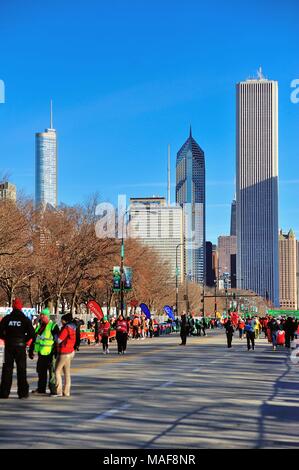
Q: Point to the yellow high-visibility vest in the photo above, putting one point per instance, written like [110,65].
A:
[44,342]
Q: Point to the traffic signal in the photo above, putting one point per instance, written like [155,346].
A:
[234,296]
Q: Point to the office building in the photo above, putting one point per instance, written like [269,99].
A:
[160,227]
[46,167]
[257,187]
[8,191]
[190,194]
[287,270]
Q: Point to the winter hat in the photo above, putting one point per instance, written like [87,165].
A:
[17,304]
[45,312]
[68,317]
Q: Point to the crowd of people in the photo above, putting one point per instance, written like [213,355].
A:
[55,345]
[279,331]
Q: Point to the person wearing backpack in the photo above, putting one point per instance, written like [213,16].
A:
[250,335]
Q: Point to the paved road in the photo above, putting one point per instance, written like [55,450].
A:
[162,395]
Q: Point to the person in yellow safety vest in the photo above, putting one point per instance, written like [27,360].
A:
[257,328]
[43,344]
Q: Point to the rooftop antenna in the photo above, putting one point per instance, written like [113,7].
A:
[260,75]
[51,115]
[168,177]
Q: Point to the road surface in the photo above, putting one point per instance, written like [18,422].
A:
[163,395]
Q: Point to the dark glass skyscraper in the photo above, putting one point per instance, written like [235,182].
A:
[233,218]
[190,193]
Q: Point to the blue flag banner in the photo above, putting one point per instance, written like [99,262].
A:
[168,310]
[145,310]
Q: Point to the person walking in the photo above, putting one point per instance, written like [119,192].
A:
[121,334]
[184,329]
[66,352]
[136,325]
[151,327]
[250,335]
[241,326]
[105,333]
[96,330]
[44,345]
[16,330]
[289,328]
[274,327]
[229,329]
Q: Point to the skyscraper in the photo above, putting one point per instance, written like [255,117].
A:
[210,274]
[190,194]
[227,246]
[160,227]
[287,270]
[46,166]
[8,191]
[233,221]
[257,187]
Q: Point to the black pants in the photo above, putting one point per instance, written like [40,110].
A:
[229,337]
[11,354]
[250,335]
[135,332]
[45,365]
[184,337]
[121,339]
[105,341]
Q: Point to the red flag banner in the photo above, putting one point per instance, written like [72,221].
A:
[94,307]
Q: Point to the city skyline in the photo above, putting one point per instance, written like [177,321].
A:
[144,95]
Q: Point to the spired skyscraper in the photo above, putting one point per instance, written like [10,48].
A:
[190,194]
[46,166]
[257,187]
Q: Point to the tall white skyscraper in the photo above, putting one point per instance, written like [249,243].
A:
[257,187]
[46,166]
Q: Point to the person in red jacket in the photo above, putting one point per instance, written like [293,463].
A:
[121,334]
[105,332]
[66,352]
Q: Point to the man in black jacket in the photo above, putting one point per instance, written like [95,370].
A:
[16,329]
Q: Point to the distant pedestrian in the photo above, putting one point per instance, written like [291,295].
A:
[105,333]
[250,335]
[121,334]
[16,330]
[229,332]
[241,326]
[184,329]
[96,330]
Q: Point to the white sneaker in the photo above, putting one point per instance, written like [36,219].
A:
[104,352]
[107,351]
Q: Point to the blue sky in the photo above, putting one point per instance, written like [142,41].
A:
[128,77]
